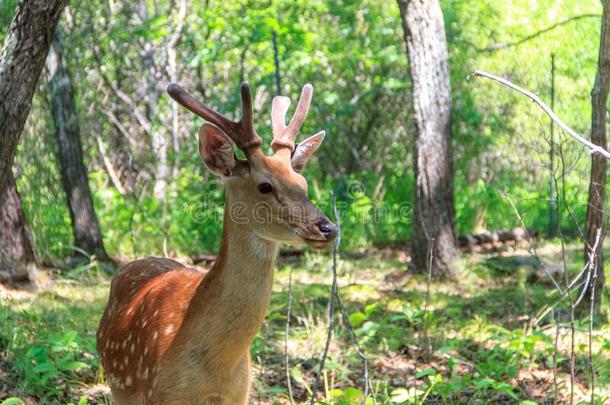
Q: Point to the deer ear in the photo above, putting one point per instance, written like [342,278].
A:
[305,150]
[216,150]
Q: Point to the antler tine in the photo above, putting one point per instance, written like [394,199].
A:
[284,136]
[241,132]
[251,138]
[279,108]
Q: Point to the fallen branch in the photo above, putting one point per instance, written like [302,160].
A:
[593,148]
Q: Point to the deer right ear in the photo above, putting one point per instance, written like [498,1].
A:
[216,150]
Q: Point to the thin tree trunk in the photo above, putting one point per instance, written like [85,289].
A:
[434,242]
[22,57]
[596,213]
[172,68]
[160,144]
[21,60]
[16,253]
[85,226]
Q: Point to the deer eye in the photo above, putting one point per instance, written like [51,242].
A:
[265,188]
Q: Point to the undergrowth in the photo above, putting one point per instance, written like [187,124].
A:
[482,338]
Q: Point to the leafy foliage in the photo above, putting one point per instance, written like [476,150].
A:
[353,51]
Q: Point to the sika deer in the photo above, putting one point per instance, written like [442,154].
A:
[175,335]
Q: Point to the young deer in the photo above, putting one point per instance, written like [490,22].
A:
[175,335]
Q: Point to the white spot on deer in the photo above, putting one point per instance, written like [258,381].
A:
[132,348]
[126,360]
[169,328]
[124,345]
[128,381]
[156,335]
[145,373]
[115,363]
[149,393]
[145,350]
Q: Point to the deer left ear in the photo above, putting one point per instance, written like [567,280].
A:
[304,150]
[216,150]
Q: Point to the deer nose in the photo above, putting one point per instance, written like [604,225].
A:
[328,229]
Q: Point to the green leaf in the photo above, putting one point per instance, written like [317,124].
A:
[352,395]
[369,309]
[74,365]
[357,318]
[44,368]
[400,396]
[424,373]
[12,401]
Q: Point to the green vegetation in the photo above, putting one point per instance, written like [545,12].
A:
[485,337]
[480,339]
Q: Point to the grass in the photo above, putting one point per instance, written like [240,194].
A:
[480,341]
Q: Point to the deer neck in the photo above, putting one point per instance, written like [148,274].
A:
[230,304]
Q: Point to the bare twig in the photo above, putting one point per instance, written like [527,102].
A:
[427,339]
[532,245]
[593,148]
[331,304]
[114,177]
[571,314]
[356,345]
[555,351]
[286,360]
[594,270]
[497,47]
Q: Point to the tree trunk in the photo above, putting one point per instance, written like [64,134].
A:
[16,253]
[434,242]
[21,60]
[85,226]
[596,213]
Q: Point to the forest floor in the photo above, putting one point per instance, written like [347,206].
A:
[487,336]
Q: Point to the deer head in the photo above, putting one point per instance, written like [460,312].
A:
[268,194]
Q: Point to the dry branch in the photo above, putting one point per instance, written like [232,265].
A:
[497,47]
[593,148]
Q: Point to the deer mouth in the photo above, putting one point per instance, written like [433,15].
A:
[317,243]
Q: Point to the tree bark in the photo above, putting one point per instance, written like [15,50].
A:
[434,242]
[16,253]
[596,212]
[21,60]
[22,57]
[85,226]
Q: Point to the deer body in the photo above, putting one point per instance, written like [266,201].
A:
[175,335]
